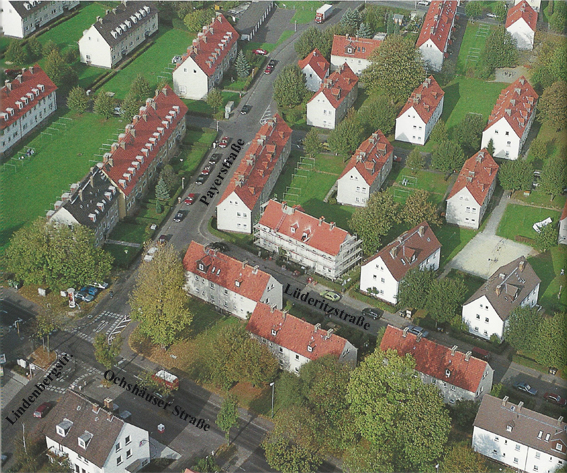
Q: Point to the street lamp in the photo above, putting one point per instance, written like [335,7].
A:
[272,385]
[182,183]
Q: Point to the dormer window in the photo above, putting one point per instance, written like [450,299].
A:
[547,436]
[201,267]
[274,333]
[309,348]
[85,439]
[540,434]
[559,447]
[237,283]
[63,427]
[447,372]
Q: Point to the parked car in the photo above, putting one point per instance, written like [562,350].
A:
[491,15]
[245,109]
[190,199]
[260,52]
[163,239]
[84,296]
[150,254]
[224,142]
[525,387]
[219,246]
[269,69]
[215,158]
[100,285]
[272,63]
[373,312]
[93,291]
[555,399]
[202,178]
[42,410]
[331,296]
[179,216]
[424,2]
[416,330]
[118,111]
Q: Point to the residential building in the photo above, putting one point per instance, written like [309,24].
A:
[252,183]
[523,439]
[334,99]
[92,438]
[435,36]
[323,247]
[513,285]
[354,51]
[232,286]
[535,4]
[381,274]
[458,376]
[420,113]
[92,202]
[249,21]
[511,119]
[147,144]
[315,68]
[366,171]
[468,200]
[112,37]
[19,19]
[26,102]
[295,342]
[563,226]
[521,23]
[207,59]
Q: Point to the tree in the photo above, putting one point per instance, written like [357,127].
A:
[464,413]
[46,322]
[35,48]
[501,11]
[463,459]
[516,175]
[522,330]
[55,67]
[171,179]
[214,99]
[439,132]
[346,136]
[312,143]
[351,21]
[414,288]
[364,31]
[448,156]
[287,389]
[500,49]
[547,238]
[307,42]
[242,65]
[104,105]
[396,68]
[222,363]
[445,298]
[206,465]
[490,147]
[377,113]
[106,353]
[130,106]
[78,100]
[375,220]
[256,363]
[473,9]
[159,207]
[552,347]
[141,88]
[197,19]
[228,415]
[551,105]
[415,161]
[418,208]
[289,87]
[538,149]
[558,21]
[374,16]
[71,56]
[48,47]
[16,53]
[553,176]
[28,451]
[363,457]
[158,300]
[550,65]
[468,133]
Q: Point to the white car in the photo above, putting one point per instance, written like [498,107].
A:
[424,2]
[150,254]
[491,15]
[100,285]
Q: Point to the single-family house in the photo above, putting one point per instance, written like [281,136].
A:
[521,23]
[563,226]
[354,51]
[315,68]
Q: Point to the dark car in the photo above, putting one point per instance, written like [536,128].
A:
[416,330]
[190,200]
[525,387]
[555,399]
[202,178]
[245,109]
[83,296]
[215,158]
[163,239]
[42,410]
[272,63]
[373,312]
[179,216]
[219,246]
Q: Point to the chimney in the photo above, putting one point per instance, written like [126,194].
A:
[284,314]
[418,337]
[8,85]
[468,355]
[96,408]
[504,401]
[522,266]
[405,334]
[19,78]
[329,332]
[99,19]
[453,350]
[332,225]
[108,404]
[321,220]
[520,405]
[317,327]
[394,251]
[559,421]
[164,90]
[31,69]
[272,308]
[421,230]
[498,289]
[244,263]
[255,269]
[81,194]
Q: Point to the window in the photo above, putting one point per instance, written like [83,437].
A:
[476,329]
[128,453]
[507,133]
[508,143]
[496,439]
[297,357]
[538,455]
[535,467]
[517,446]
[486,319]
[119,460]
[281,350]
[478,316]
[495,132]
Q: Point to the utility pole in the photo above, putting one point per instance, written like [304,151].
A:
[24,437]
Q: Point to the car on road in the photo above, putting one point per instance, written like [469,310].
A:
[424,2]
[215,158]
[245,109]
[219,246]
[202,178]
[416,330]
[331,296]
[190,199]
[525,387]
[269,69]
[555,399]
[179,216]
[163,239]
[42,410]
[373,312]
[260,52]
[224,142]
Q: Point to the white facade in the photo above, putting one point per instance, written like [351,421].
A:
[411,128]
[432,55]
[535,4]
[313,81]
[321,113]
[352,189]
[356,64]
[233,215]
[94,50]
[507,144]
[463,210]
[523,34]
[563,229]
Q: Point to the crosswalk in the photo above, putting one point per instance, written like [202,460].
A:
[106,322]
[79,382]
[266,115]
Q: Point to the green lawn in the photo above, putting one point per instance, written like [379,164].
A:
[540,199]
[304,10]
[431,181]
[548,267]
[476,40]
[128,232]
[453,239]
[123,255]
[518,220]
[200,107]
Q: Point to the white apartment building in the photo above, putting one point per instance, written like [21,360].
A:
[535,4]
[353,51]
[327,249]
[521,23]
[315,68]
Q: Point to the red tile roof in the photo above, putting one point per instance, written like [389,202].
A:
[515,103]
[26,87]
[397,255]
[564,213]
[438,23]
[212,45]
[359,48]
[317,62]
[226,271]
[370,157]
[433,359]
[259,161]
[425,99]
[323,236]
[522,10]
[293,333]
[338,85]
[136,148]
[477,175]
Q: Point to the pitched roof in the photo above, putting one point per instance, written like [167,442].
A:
[564,213]
[30,86]
[437,23]
[522,425]
[338,85]
[317,62]
[424,99]
[211,45]
[508,286]
[297,225]
[79,410]
[260,159]
[355,47]
[33,7]
[522,10]
[370,157]
[515,104]
[433,359]
[477,175]
[136,148]
[293,333]
[408,251]
[226,271]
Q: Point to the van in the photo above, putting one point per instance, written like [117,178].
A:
[481,354]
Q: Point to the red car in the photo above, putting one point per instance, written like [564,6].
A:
[41,410]
[205,172]
[224,142]
[397,159]
[261,52]
[269,69]
[555,399]
[190,200]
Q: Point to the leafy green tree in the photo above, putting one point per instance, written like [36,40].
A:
[538,149]
[214,99]
[375,220]
[490,147]
[197,19]
[363,457]
[228,415]
[500,49]
[170,177]
[130,106]
[389,23]
[468,133]
[104,105]
[307,42]
[207,464]
[71,56]
[48,47]
[46,322]
[553,176]
[242,65]
[547,238]
[222,362]
[418,208]
[551,105]
[158,300]
[256,363]
[312,143]
[141,88]
[439,132]
[522,330]
[396,68]
[374,16]
[463,459]
[501,11]
[78,101]
[552,348]
[351,20]
[473,9]
[448,156]
[445,298]
[377,113]
[16,53]
[35,48]
[414,288]
[516,175]
[287,388]
[159,207]
[346,136]
[550,65]
[289,87]
[415,161]
[106,354]
[464,413]
[364,31]
[161,190]
[558,21]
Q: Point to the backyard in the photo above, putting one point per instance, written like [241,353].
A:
[472,46]
[518,220]
[548,267]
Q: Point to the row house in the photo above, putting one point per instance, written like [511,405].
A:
[520,438]
[20,19]
[232,286]
[118,33]
[26,102]
[315,68]
[92,438]
[210,55]
[458,376]
[511,119]
[334,99]
[325,248]
[366,171]
[420,113]
[435,35]
[381,274]
[354,51]
[563,226]
[147,144]
[295,342]
[521,23]
[468,200]
[513,285]
[240,205]
[92,202]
